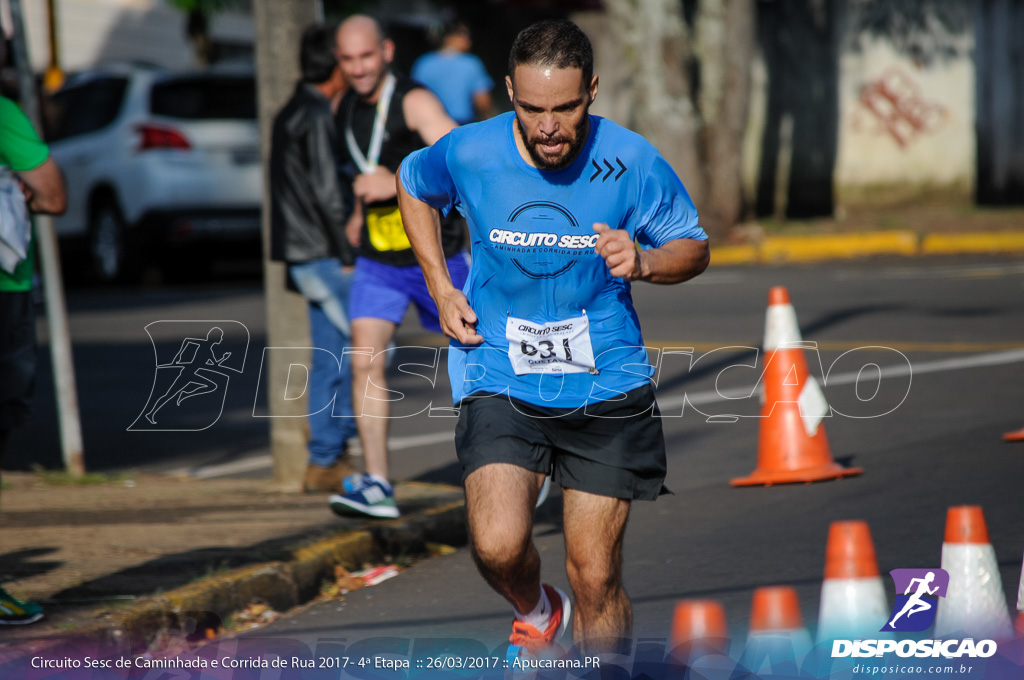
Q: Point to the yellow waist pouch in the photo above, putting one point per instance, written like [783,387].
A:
[384,226]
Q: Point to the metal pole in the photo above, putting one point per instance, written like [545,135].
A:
[56,312]
[54,77]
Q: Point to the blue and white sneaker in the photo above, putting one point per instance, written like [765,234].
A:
[365,495]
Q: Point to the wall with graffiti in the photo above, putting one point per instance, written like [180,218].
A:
[904,121]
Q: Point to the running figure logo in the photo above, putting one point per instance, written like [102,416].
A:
[914,610]
[200,367]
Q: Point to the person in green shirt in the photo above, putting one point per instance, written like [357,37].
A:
[41,181]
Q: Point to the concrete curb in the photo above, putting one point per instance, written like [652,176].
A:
[282,584]
[813,248]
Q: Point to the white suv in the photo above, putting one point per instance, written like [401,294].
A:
[155,159]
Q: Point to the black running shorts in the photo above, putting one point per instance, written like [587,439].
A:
[17,357]
[611,448]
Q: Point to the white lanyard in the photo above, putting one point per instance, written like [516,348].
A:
[368,163]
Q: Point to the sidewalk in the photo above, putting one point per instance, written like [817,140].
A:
[141,555]
[909,230]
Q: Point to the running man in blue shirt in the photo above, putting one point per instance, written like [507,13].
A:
[547,362]
[457,77]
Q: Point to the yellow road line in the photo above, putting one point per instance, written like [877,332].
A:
[723,255]
[974,242]
[814,247]
[827,246]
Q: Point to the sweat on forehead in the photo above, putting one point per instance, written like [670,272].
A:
[548,78]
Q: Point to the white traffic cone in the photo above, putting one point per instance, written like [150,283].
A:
[1019,625]
[699,627]
[974,604]
[792,446]
[778,641]
[853,603]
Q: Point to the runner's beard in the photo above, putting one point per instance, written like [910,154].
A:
[566,159]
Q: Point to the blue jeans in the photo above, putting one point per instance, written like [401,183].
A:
[323,283]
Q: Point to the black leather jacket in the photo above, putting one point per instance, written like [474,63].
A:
[309,202]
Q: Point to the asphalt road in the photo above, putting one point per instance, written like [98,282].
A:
[927,436]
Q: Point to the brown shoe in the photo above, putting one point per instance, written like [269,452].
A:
[327,479]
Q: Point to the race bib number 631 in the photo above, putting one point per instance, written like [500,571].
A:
[550,347]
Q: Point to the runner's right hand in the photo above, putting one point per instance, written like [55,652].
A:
[458,320]
[378,185]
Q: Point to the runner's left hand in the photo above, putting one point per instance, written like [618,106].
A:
[618,251]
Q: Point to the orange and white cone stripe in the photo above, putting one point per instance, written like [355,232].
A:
[699,643]
[853,602]
[777,633]
[792,446]
[1019,625]
[974,604]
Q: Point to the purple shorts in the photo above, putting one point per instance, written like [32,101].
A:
[383,291]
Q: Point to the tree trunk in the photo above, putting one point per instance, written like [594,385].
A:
[999,58]
[279,28]
[655,43]
[801,53]
[690,93]
[726,29]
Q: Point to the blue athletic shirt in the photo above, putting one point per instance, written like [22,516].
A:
[454,77]
[536,283]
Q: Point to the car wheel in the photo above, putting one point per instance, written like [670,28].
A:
[107,245]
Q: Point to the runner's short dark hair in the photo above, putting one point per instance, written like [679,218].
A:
[453,26]
[316,54]
[554,42]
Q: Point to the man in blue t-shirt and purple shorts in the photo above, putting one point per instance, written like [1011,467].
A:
[547,362]
[381,119]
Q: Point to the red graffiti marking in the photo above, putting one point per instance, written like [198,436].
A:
[896,102]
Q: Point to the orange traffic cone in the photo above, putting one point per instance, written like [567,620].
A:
[699,628]
[792,446]
[974,604]
[853,602]
[776,609]
[778,640]
[1015,436]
